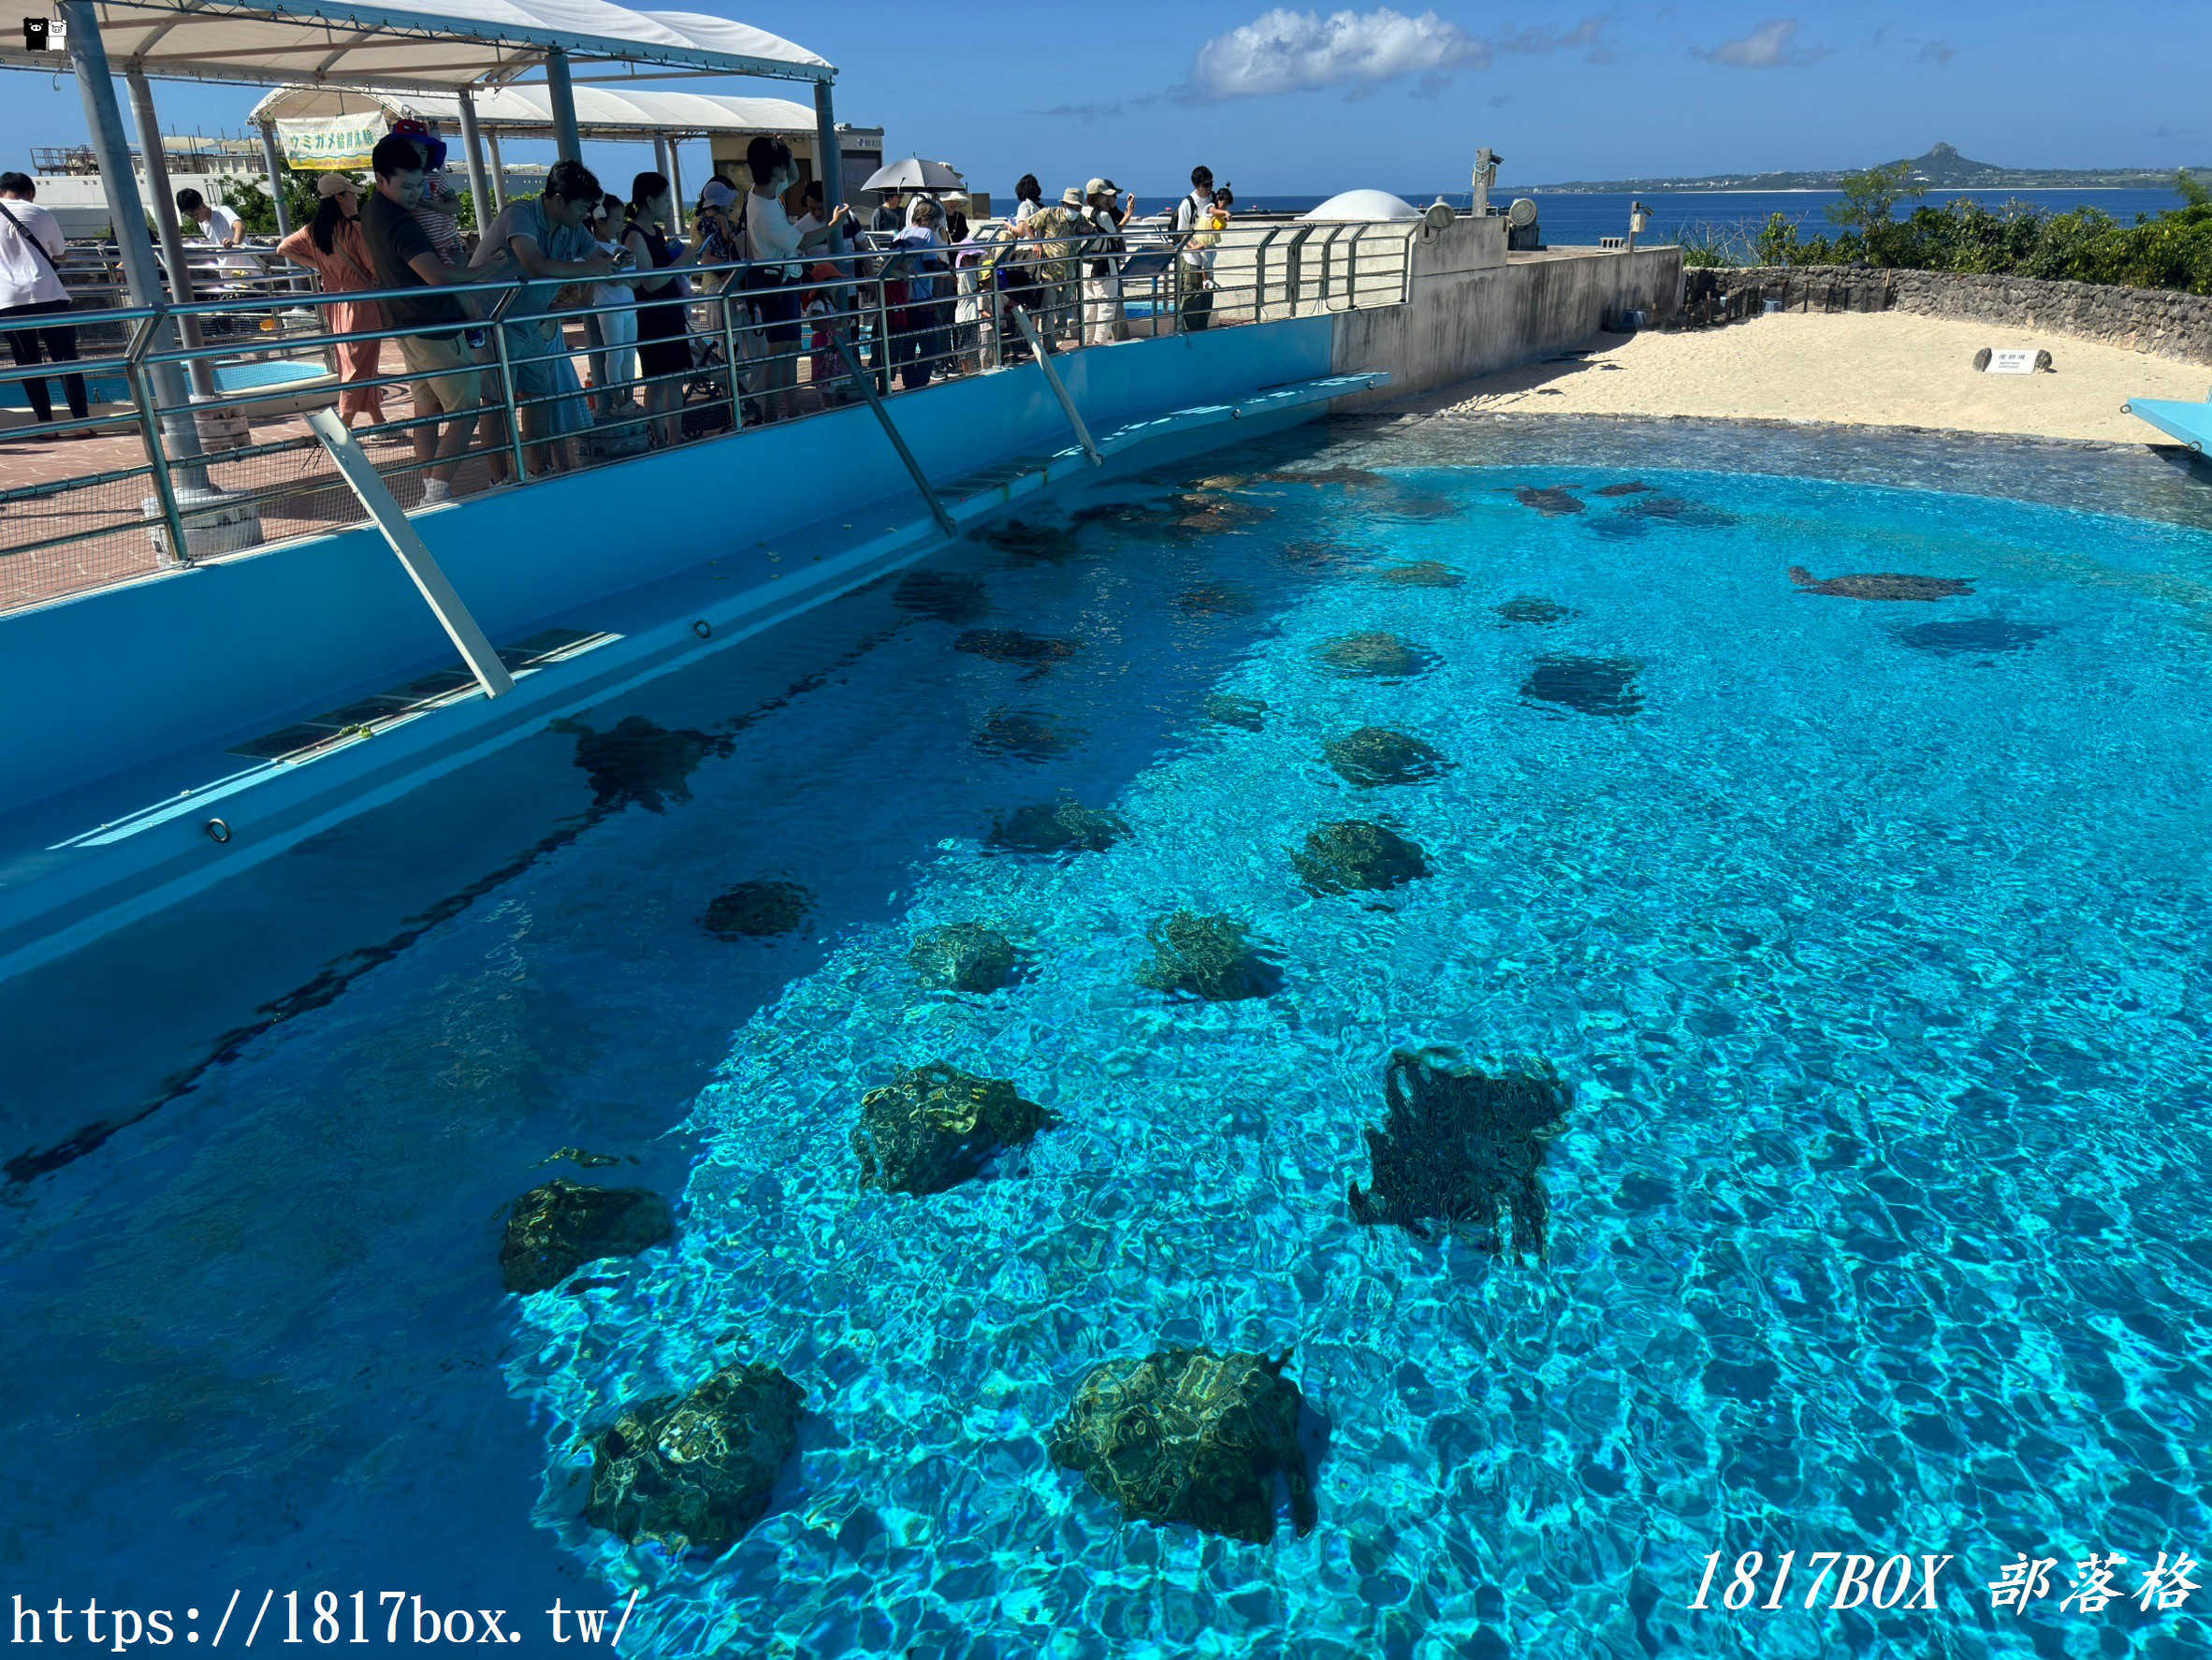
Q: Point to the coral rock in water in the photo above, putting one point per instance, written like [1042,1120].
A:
[1528,608]
[1882,585]
[1203,515]
[1425,572]
[1375,654]
[934,1127]
[1187,1436]
[1060,828]
[1459,1146]
[1247,714]
[1981,635]
[640,762]
[1208,956]
[1025,736]
[1377,756]
[1594,685]
[1700,515]
[1355,855]
[757,910]
[696,1471]
[1028,540]
[1214,599]
[1010,645]
[555,1229]
[947,599]
[963,956]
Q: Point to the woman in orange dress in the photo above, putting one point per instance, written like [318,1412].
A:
[331,247]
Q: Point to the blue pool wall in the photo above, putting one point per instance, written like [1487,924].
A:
[230,649]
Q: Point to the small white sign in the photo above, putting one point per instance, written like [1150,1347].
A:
[2011,362]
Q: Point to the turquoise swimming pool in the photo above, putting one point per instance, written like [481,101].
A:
[1861,924]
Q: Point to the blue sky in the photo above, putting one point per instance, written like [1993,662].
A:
[1291,100]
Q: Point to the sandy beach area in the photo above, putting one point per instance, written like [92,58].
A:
[1885,369]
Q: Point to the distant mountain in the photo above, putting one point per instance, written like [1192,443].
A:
[1941,168]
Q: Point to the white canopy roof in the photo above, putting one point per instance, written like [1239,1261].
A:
[528,111]
[424,44]
[1366,206]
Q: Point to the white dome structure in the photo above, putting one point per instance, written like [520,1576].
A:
[1363,207]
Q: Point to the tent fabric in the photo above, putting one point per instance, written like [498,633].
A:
[430,45]
[527,111]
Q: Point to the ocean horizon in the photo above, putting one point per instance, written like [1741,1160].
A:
[1576,217]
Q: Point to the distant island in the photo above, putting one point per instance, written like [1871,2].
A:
[1941,168]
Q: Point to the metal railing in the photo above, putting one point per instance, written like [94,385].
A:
[238,468]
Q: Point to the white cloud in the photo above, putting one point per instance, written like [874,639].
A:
[1291,52]
[1766,47]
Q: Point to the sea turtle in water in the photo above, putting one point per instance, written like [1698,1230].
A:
[1377,756]
[758,910]
[1978,635]
[1425,572]
[1355,855]
[1552,503]
[1187,1436]
[1318,556]
[1246,714]
[639,760]
[1204,515]
[696,1471]
[1026,736]
[1882,585]
[1354,477]
[1209,958]
[1010,645]
[1028,540]
[1594,685]
[1214,599]
[964,956]
[1129,516]
[1529,608]
[1635,487]
[1459,1146]
[1375,654]
[940,597]
[1700,515]
[934,1127]
[1061,827]
[554,1230]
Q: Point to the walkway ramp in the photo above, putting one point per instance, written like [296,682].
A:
[2192,423]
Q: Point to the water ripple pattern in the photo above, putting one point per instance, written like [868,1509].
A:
[1878,1223]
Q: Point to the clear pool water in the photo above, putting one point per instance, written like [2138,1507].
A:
[1871,934]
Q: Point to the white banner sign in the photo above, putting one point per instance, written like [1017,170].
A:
[2011,362]
[340,141]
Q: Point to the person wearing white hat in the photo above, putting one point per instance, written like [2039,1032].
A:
[1103,321]
[331,246]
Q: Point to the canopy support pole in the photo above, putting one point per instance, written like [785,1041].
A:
[164,215]
[103,116]
[472,145]
[675,170]
[273,160]
[660,155]
[499,175]
[562,89]
[830,159]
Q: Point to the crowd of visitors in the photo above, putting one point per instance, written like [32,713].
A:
[903,294]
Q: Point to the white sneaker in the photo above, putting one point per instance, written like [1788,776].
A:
[435,490]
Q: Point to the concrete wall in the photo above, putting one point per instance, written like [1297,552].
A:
[1476,309]
[226,650]
[2157,321]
